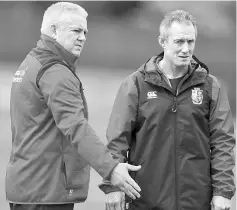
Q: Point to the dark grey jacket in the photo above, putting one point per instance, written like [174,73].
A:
[52,142]
[183,140]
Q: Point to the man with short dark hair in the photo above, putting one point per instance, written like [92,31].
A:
[173,117]
[53,146]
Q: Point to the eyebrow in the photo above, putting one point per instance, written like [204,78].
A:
[183,38]
[79,28]
[74,27]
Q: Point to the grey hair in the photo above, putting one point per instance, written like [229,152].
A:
[54,14]
[179,16]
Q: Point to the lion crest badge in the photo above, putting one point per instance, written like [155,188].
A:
[197,96]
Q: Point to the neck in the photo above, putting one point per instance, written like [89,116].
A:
[171,70]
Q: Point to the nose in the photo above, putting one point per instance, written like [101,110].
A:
[82,37]
[185,48]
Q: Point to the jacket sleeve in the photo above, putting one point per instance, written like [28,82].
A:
[121,125]
[222,143]
[61,91]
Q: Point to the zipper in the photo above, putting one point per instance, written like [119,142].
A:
[64,173]
[174,110]
[174,107]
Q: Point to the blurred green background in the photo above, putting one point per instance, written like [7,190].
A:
[122,36]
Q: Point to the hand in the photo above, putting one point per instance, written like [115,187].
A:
[115,201]
[121,178]
[220,203]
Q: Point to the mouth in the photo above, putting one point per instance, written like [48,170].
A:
[184,57]
[78,47]
[78,44]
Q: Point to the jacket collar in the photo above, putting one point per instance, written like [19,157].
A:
[197,70]
[48,44]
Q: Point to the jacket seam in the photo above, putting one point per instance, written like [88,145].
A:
[214,100]
[138,98]
[74,127]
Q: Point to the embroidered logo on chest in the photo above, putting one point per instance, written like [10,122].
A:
[151,94]
[197,96]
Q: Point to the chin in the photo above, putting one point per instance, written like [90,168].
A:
[77,54]
[185,63]
[182,64]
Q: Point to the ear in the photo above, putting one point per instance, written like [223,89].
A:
[53,31]
[161,42]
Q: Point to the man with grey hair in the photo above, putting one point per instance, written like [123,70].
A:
[53,146]
[173,117]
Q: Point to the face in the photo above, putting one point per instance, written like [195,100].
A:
[179,44]
[71,33]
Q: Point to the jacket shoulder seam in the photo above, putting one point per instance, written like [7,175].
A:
[215,86]
[136,83]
